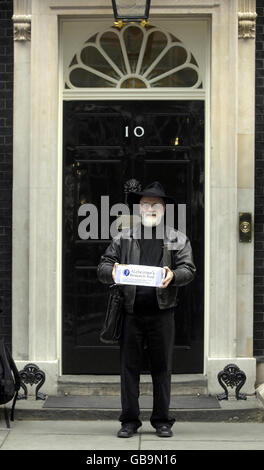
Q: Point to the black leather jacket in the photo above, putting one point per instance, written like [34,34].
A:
[177,255]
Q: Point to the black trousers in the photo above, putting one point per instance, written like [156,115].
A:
[156,329]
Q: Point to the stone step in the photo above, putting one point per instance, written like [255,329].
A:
[181,384]
[232,410]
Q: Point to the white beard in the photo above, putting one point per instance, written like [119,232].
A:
[150,221]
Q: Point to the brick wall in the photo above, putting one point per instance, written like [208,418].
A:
[259,185]
[6,137]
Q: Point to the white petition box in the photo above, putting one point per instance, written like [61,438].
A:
[139,275]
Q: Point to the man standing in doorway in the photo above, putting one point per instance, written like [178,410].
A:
[148,311]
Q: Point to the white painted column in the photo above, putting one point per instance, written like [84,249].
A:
[42,184]
[21,152]
[228,297]
[246,166]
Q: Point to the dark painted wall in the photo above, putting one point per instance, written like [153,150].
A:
[6,164]
[259,185]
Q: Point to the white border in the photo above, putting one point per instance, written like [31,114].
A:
[146,94]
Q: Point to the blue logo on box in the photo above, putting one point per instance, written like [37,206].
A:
[126,272]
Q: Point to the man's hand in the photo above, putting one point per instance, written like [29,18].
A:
[168,277]
[114,271]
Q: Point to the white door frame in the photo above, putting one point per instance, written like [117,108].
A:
[112,94]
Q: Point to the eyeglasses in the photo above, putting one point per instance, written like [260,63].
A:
[156,206]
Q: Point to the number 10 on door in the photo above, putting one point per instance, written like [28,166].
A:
[138,131]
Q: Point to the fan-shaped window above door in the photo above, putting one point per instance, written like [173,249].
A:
[133,57]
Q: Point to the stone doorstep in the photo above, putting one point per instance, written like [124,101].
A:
[181,384]
[250,410]
[232,410]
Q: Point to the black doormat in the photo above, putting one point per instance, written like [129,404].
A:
[113,402]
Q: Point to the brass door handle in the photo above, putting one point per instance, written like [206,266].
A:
[245,227]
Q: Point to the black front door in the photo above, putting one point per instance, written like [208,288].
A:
[105,145]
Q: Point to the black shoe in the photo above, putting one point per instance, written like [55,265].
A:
[164,430]
[127,430]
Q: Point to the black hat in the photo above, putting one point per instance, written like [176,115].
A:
[154,189]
